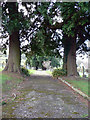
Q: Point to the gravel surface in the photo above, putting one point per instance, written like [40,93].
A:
[48,98]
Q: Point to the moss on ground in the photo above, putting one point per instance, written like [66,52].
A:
[30,107]
[48,115]
[75,113]
[7,110]
[68,100]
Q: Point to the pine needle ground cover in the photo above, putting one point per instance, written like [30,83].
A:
[82,85]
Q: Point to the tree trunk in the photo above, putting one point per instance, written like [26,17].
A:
[65,58]
[71,59]
[66,44]
[13,64]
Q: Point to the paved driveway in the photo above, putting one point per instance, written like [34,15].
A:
[48,98]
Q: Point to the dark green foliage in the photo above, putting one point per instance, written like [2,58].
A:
[3,102]
[37,60]
[59,73]
[75,15]
[39,27]
[55,62]
[43,39]
[25,71]
[12,19]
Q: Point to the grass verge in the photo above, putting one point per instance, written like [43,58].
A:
[4,78]
[82,85]
[49,72]
[31,71]
[1,69]
[9,81]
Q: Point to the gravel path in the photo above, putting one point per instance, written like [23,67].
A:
[48,98]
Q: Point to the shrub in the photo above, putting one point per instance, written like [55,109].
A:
[3,102]
[59,72]
[25,71]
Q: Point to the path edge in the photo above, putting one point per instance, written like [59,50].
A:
[75,89]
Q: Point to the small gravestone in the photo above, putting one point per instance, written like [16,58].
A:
[46,64]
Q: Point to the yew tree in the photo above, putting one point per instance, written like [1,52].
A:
[10,15]
[18,28]
[75,30]
[14,23]
[40,28]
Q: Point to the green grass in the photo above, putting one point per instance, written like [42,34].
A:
[31,71]
[49,72]
[1,69]
[8,82]
[82,85]
[4,78]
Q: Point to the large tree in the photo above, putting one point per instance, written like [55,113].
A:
[42,30]
[76,30]
[13,23]
[13,64]
[75,27]
[20,28]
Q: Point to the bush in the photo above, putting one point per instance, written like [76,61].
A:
[59,72]
[25,71]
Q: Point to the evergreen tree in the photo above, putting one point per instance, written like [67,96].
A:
[40,29]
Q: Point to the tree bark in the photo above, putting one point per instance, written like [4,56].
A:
[13,64]
[66,45]
[69,59]
[64,61]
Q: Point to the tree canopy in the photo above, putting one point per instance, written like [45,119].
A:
[47,27]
